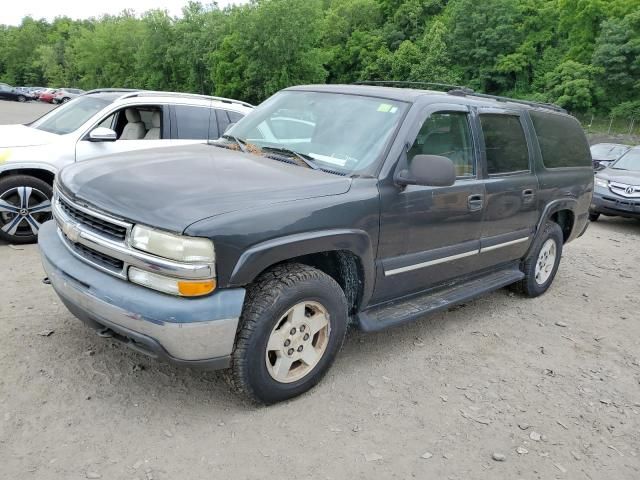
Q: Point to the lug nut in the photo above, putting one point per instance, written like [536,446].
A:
[290,352]
[300,348]
[302,328]
[293,331]
[306,336]
[287,342]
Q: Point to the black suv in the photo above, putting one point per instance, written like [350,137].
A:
[326,205]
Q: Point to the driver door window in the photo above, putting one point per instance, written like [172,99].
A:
[447,134]
[137,128]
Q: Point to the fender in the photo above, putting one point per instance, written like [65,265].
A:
[552,207]
[262,255]
[27,166]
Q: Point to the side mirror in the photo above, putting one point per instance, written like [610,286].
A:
[102,134]
[429,171]
[229,127]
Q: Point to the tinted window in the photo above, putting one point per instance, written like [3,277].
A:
[223,122]
[235,116]
[192,122]
[446,134]
[505,143]
[561,140]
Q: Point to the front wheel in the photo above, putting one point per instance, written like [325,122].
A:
[593,217]
[65,100]
[292,326]
[25,203]
[22,98]
[541,265]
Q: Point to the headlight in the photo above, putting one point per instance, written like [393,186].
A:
[175,247]
[173,286]
[601,182]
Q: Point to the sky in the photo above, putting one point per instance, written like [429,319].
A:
[12,11]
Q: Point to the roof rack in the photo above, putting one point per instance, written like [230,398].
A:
[549,106]
[401,83]
[462,92]
[131,92]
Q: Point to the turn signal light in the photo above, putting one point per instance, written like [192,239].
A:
[196,288]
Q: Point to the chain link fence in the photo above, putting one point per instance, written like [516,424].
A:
[611,125]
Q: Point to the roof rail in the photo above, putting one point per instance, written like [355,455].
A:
[132,92]
[401,83]
[462,92]
[549,106]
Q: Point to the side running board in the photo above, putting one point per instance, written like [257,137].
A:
[412,308]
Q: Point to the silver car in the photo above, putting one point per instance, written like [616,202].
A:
[98,123]
[63,95]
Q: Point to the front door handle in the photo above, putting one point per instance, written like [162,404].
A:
[475,202]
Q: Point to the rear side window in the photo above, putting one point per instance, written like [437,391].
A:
[235,116]
[505,143]
[561,139]
[192,122]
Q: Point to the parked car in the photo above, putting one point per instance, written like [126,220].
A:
[47,95]
[604,154]
[7,92]
[254,252]
[617,188]
[27,92]
[98,123]
[65,94]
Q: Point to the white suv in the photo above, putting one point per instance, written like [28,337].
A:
[98,123]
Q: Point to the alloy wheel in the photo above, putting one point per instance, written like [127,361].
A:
[23,210]
[297,342]
[546,261]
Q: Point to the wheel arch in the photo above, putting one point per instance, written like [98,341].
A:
[45,173]
[562,212]
[345,255]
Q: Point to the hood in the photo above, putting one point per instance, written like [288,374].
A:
[23,136]
[171,188]
[629,177]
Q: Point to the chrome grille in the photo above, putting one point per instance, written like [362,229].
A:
[94,223]
[99,258]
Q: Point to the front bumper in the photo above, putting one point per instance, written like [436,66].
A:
[186,331]
[608,203]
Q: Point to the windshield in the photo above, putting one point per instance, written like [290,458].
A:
[335,131]
[629,161]
[71,115]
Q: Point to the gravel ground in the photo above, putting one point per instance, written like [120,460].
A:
[502,388]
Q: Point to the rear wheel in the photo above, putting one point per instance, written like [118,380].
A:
[594,217]
[292,326]
[541,266]
[25,203]
[22,98]
[65,100]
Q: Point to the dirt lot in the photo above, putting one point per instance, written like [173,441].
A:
[553,384]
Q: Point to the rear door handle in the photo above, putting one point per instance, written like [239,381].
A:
[528,195]
[475,202]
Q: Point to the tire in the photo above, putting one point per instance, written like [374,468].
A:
[268,318]
[22,98]
[536,282]
[65,100]
[20,222]
[593,217]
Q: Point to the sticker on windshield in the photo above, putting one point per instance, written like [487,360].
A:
[386,108]
[333,160]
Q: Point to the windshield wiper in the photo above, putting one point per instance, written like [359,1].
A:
[306,159]
[240,143]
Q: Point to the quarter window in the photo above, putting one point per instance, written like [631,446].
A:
[561,139]
[447,134]
[505,144]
